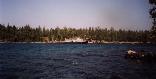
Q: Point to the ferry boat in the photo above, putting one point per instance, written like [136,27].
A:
[76,40]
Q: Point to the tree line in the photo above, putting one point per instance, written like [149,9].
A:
[11,33]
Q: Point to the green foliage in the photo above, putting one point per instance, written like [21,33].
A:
[28,34]
[152,2]
[152,12]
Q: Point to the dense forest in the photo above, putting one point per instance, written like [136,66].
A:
[28,34]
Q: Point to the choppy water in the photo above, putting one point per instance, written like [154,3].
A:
[73,61]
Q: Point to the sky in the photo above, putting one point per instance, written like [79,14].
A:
[124,14]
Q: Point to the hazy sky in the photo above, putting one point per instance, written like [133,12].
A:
[126,14]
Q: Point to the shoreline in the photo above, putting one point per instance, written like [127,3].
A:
[86,43]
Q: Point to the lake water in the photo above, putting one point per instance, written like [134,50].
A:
[73,61]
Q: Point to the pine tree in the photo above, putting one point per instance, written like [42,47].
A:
[153,16]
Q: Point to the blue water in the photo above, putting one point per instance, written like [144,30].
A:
[73,61]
